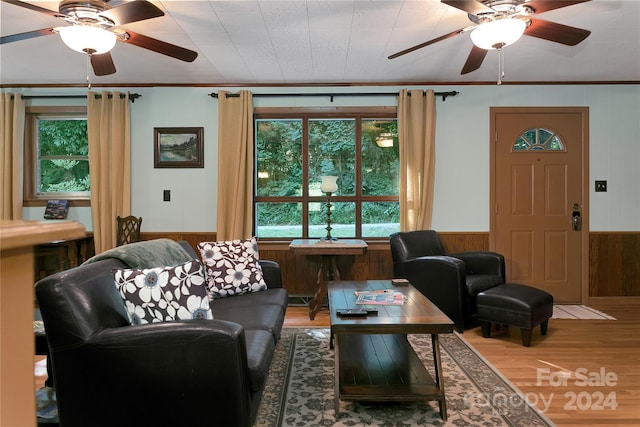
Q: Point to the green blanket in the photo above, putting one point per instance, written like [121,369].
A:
[147,254]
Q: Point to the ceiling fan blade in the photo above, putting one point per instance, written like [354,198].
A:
[473,7]
[474,60]
[33,7]
[161,47]
[103,64]
[421,45]
[555,32]
[541,6]
[132,12]
[27,35]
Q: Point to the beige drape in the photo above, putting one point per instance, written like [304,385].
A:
[235,166]
[11,155]
[109,164]
[416,139]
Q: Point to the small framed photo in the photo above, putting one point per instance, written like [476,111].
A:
[178,147]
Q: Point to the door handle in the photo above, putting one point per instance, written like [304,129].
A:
[576,218]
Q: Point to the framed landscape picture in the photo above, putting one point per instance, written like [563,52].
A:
[178,147]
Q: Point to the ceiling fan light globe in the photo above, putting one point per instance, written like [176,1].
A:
[498,34]
[87,39]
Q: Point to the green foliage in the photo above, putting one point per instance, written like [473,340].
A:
[380,212]
[279,148]
[279,213]
[63,156]
[331,151]
[380,165]
[63,137]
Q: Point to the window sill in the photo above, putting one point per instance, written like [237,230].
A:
[43,202]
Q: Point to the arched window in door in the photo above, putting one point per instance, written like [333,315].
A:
[538,139]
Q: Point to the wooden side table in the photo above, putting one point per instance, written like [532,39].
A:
[60,255]
[328,250]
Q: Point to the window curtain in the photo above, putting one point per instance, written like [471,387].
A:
[235,166]
[108,126]
[11,155]
[416,139]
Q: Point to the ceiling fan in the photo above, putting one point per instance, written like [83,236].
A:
[95,28]
[499,23]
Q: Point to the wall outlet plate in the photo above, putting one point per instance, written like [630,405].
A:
[601,186]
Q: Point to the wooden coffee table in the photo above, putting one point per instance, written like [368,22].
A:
[373,358]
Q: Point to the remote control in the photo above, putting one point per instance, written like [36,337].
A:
[399,282]
[352,312]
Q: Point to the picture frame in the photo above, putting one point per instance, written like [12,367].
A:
[178,147]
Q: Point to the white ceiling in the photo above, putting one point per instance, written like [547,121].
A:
[326,42]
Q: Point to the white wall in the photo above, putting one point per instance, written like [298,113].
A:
[462,152]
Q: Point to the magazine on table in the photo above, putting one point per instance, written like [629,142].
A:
[380,297]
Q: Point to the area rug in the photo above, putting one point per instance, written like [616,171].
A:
[565,311]
[300,389]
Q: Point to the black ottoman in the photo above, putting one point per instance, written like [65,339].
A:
[515,305]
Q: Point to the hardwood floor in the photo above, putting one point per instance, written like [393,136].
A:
[582,373]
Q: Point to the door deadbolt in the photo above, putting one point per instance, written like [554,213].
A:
[576,217]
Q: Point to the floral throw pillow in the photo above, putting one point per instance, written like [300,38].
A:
[164,293]
[232,267]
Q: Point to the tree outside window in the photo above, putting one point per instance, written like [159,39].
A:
[57,155]
[63,156]
[295,150]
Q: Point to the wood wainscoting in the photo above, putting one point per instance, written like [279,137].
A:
[299,272]
[614,264]
[614,260]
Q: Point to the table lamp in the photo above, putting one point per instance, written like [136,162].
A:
[329,185]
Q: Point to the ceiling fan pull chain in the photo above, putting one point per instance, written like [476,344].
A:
[500,66]
[88,78]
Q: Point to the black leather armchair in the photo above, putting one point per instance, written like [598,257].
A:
[451,281]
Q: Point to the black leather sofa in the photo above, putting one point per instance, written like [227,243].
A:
[180,373]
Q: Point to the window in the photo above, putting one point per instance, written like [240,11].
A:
[538,140]
[56,154]
[295,148]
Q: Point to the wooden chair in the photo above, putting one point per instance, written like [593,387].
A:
[128,230]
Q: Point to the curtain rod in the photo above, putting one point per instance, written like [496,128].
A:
[132,96]
[444,95]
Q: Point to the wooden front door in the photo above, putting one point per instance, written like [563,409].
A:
[539,183]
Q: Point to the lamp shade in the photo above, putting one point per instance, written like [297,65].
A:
[385,140]
[87,39]
[499,33]
[329,184]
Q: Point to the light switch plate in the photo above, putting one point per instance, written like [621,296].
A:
[166,195]
[601,186]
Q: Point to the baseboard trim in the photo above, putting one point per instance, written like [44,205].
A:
[630,300]
[299,300]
